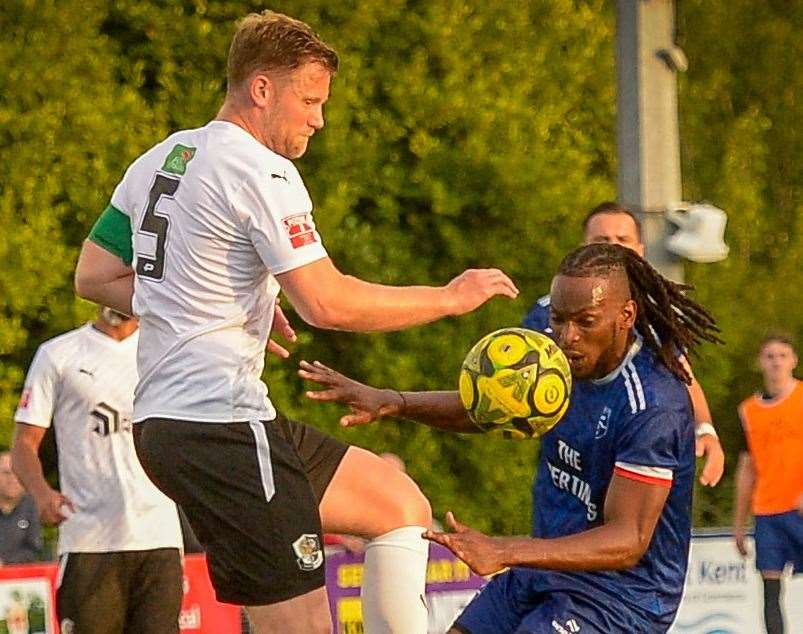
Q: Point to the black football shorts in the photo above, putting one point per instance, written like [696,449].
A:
[251,493]
[136,592]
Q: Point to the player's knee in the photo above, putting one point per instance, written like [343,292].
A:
[413,508]
[422,511]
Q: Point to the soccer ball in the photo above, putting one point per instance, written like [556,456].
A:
[515,382]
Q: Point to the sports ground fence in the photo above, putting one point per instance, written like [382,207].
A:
[722,594]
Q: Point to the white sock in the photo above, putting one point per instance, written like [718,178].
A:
[394,579]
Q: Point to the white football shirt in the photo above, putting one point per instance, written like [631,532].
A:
[83,383]
[214,215]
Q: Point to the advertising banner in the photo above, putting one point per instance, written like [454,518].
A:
[723,593]
[200,611]
[450,586]
[28,599]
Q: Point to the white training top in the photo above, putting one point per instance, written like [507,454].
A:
[83,382]
[215,215]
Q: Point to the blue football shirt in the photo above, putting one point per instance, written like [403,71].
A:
[537,318]
[637,423]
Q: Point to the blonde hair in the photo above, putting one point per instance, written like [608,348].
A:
[274,42]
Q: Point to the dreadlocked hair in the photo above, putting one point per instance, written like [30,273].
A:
[668,320]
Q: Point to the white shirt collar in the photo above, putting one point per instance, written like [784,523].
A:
[634,350]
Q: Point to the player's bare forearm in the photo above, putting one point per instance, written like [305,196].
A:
[699,404]
[707,443]
[25,459]
[53,505]
[632,510]
[368,404]
[368,307]
[702,413]
[442,410]
[744,481]
[611,546]
[101,277]
[326,298]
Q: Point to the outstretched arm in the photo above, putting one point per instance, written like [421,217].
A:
[441,410]
[326,298]
[632,510]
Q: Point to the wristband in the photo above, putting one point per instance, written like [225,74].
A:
[705,429]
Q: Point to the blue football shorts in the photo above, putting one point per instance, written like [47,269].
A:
[509,605]
[779,541]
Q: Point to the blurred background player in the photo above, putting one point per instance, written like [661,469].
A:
[256,487]
[770,473]
[119,537]
[20,530]
[612,223]
[612,502]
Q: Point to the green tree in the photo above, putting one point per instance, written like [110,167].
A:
[741,145]
[459,134]
[68,128]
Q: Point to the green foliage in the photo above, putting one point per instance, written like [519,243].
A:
[459,134]
[67,131]
[741,144]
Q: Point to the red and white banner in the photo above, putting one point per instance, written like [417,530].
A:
[28,601]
